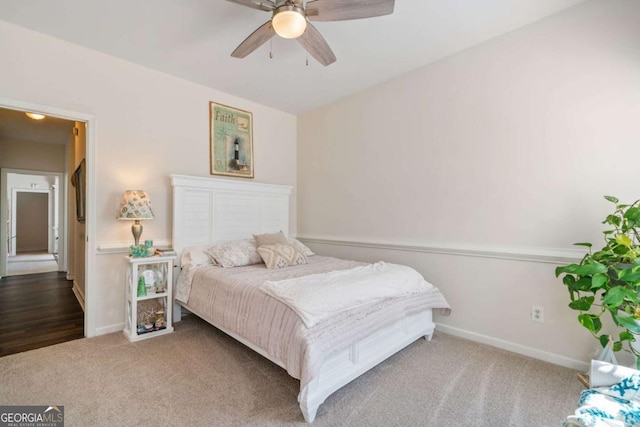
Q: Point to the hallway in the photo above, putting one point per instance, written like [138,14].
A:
[38,310]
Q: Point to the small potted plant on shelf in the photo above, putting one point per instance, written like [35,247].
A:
[608,280]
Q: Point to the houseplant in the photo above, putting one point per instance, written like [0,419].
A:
[608,280]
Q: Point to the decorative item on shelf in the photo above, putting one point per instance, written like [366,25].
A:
[151,251]
[138,251]
[160,322]
[135,206]
[150,317]
[152,277]
[166,252]
[142,287]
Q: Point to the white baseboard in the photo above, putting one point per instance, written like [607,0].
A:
[515,348]
[78,293]
[104,330]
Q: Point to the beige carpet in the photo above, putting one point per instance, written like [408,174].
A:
[198,376]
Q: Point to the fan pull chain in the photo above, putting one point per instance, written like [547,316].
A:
[271,48]
[307,59]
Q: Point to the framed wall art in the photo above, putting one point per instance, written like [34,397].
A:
[231,141]
[78,180]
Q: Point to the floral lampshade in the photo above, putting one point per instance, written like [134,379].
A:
[135,205]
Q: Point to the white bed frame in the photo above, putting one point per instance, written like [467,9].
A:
[209,210]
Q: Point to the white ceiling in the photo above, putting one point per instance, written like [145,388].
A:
[193,39]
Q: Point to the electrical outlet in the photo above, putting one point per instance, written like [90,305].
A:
[537,313]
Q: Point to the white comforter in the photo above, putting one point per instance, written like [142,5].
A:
[318,296]
[231,299]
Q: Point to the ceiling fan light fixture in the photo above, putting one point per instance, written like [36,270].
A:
[289,22]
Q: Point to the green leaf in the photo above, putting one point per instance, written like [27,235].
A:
[616,296]
[589,269]
[587,321]
[623,239]
[583,304]
[570,269]
[617,346]
[583,284]
[626,336]
[583,244]
[598,280]
[604,340]
[561,269]
[633,214]
[613,220]
[597,324]
[621,249]
[568,280]
[628,323]
[611,199]
[629,276]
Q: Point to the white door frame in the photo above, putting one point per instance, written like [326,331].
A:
[90,212]
[61,214]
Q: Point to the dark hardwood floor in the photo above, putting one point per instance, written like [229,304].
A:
[38,310]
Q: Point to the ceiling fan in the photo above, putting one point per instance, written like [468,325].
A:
[290,20]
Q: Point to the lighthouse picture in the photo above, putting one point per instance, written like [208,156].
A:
[231,144]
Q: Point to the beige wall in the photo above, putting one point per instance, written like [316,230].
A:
[29,155]
[506,148]
[147,126]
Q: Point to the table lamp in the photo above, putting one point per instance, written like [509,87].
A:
[135,205]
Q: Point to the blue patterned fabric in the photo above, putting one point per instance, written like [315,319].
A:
[615,406]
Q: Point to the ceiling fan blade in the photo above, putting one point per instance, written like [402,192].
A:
[255,40]
[342,10]
[265,5]
[316,45]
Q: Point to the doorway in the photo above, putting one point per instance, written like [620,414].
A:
[35,222]
[86,258]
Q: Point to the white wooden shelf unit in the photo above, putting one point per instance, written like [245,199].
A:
[157,272]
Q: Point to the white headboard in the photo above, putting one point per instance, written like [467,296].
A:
[207,210]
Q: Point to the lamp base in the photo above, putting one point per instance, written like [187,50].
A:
[136,229]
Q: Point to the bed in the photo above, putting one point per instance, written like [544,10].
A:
[324,355]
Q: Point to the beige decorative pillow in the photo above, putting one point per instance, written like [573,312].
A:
[270,239]
[237,253]
[281,255]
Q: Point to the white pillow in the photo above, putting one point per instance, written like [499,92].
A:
[196,256]
[304,249]
[236,253]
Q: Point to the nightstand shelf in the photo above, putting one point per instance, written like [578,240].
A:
[152,295]
[148,315]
